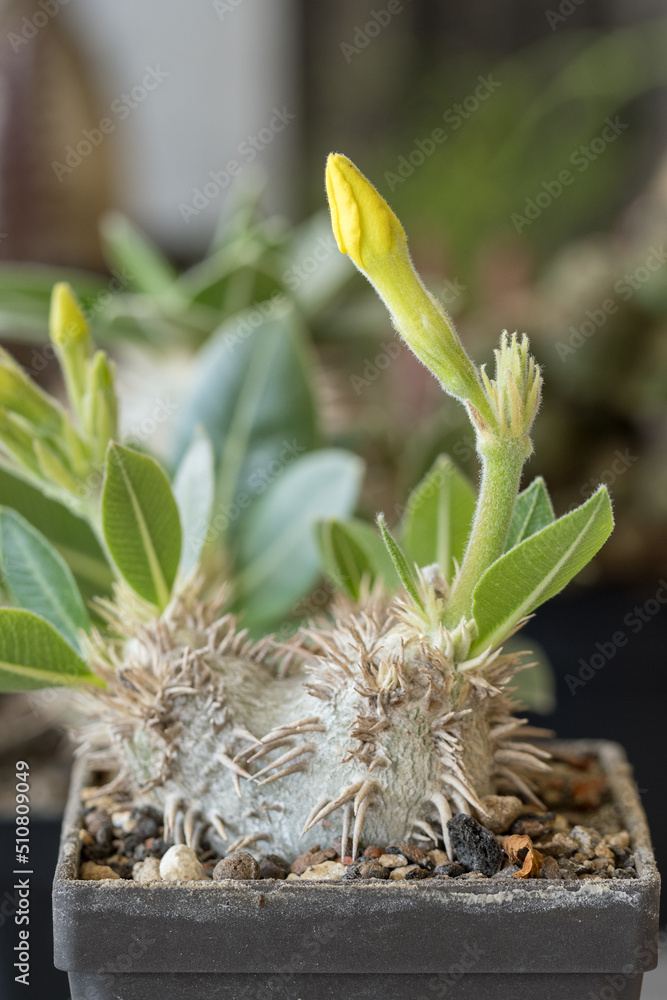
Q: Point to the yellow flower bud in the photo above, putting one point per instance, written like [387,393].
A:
[69,332]
[364,225]
[368,231]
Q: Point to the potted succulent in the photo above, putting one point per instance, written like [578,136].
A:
[385,729]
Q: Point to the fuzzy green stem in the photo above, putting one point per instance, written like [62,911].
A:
[502,463]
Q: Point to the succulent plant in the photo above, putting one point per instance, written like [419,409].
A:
[389,712]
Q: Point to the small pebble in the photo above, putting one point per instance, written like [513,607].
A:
[393,860]
[315,856]
[373,852]
[620,839]
[508,872]
[500,811]
[293,877]
[533,825]
[95,820]
[474,846]
[602,851]
[366,868]
[238,865]
[400,873]
[123,820]
[587,838]
[550,868]
[437,858]
[414,854]
[268,868]
[451,870]
[328,871]
[86,838]
[147,871]
[96,873]
[181,862]
[417,872]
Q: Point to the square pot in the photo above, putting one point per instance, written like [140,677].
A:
[473,940]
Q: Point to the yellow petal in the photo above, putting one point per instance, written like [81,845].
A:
[66,320]
[364,226]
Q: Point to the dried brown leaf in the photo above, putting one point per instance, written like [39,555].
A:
[532,860]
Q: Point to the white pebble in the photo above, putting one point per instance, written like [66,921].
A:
[147,871]
[329,871]
[400,873]
[181,862]
[392,860]
[121,820]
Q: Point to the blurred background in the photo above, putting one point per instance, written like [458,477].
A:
[168,160]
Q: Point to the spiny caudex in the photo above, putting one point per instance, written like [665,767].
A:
[377,723]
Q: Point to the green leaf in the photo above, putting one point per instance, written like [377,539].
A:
[533,511]
[143,266]
[253,395]
[194,485]
[141,525]
[38,579]
[405,574]
[438,517]
[351,551]
[538,568]
[277,560]
[71,536]
[33,655]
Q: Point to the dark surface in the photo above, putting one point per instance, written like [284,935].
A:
[45,981]
[626,699]
[351,987]
[373,939]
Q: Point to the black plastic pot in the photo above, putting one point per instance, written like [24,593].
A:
[472,940]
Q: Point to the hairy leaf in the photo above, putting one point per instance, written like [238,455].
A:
[277,560]
[71,536]
[141,523]
[252,394]
[538,568]
[38,579]
[351,552]
[533,511]
[438,517]
[194,485]
[33,655]
[405,574]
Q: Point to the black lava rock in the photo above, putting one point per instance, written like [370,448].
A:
[452,870]
[104,835]
[475,847]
